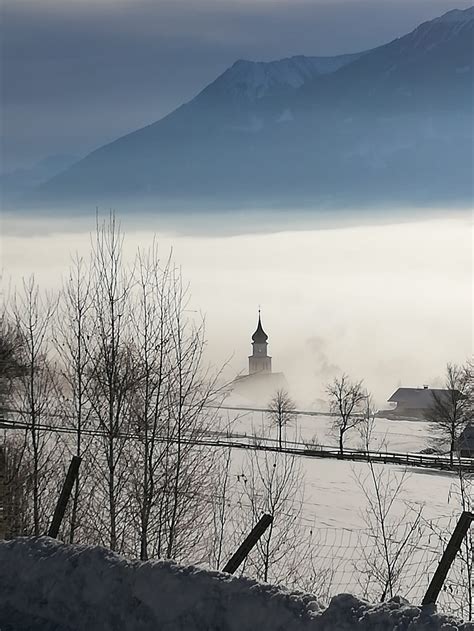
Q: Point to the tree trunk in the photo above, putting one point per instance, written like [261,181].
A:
[75,505]
[111,489]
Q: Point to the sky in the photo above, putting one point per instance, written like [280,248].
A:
[79,73]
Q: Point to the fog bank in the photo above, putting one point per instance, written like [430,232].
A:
[390,303]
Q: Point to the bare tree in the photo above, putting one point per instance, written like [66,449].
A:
[193,386]
[273,483]
[14,472]
[465,496]
[150,324]
[112,377]
[281,412]
[35,394]
[346,399]
[367,425]
[221,512]
[173,471]
[72,334]
[394,531]
[17,473]
[11,351]
[459,584]
[448,411]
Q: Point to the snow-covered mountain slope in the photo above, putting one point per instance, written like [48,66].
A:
[390,126]
[255,79]
[456,16]
[49,586]
[421,68]
[439,31]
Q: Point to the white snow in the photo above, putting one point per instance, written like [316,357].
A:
[334,497]
[254,79]
[427,36]
[388,435]
[457,15]
[49,586]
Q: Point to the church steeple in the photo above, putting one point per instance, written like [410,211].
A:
[260,337]
[259,361]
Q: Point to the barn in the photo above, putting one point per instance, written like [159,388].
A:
[416,402]
[465,444]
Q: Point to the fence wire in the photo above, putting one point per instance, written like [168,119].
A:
[352,561]
[364,562]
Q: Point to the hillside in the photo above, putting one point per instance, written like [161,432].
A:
[389,126]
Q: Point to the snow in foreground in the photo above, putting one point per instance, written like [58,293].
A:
[49,586]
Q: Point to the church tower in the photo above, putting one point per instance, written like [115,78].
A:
[259,361]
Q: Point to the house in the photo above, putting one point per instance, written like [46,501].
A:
[416,402]
[465,443]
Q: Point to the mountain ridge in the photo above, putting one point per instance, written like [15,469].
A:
[377,126]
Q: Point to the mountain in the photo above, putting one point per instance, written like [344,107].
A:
[16,182]
[388,126]
[254,80]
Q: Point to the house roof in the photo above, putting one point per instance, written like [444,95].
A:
[466,437]
[418,398]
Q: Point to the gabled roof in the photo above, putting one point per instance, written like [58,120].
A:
[419,398]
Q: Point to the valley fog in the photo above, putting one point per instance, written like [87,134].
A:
[390,304]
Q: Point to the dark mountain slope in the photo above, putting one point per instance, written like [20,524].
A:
[389,126]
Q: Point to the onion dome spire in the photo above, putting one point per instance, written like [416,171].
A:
[259,337]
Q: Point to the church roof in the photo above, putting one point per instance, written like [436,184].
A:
[259,337]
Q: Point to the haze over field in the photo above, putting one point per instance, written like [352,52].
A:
[390,304]
[330,188]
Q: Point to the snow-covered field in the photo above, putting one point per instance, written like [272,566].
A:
[49,586]
[388,434]
[333,492]
[335,499]
[335,503]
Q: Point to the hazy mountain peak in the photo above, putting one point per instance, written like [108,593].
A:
[439,31]
[457,16]
[255,79]
[353,135]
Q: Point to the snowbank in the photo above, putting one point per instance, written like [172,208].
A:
[49,586]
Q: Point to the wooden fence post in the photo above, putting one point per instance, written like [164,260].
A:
[64,497]
[447,559]
[249,542]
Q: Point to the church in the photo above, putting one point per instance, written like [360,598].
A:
[261,383]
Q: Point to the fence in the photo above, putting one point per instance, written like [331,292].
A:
[260,443]
[352,561]
[336,560]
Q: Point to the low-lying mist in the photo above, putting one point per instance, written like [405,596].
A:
[390,303]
